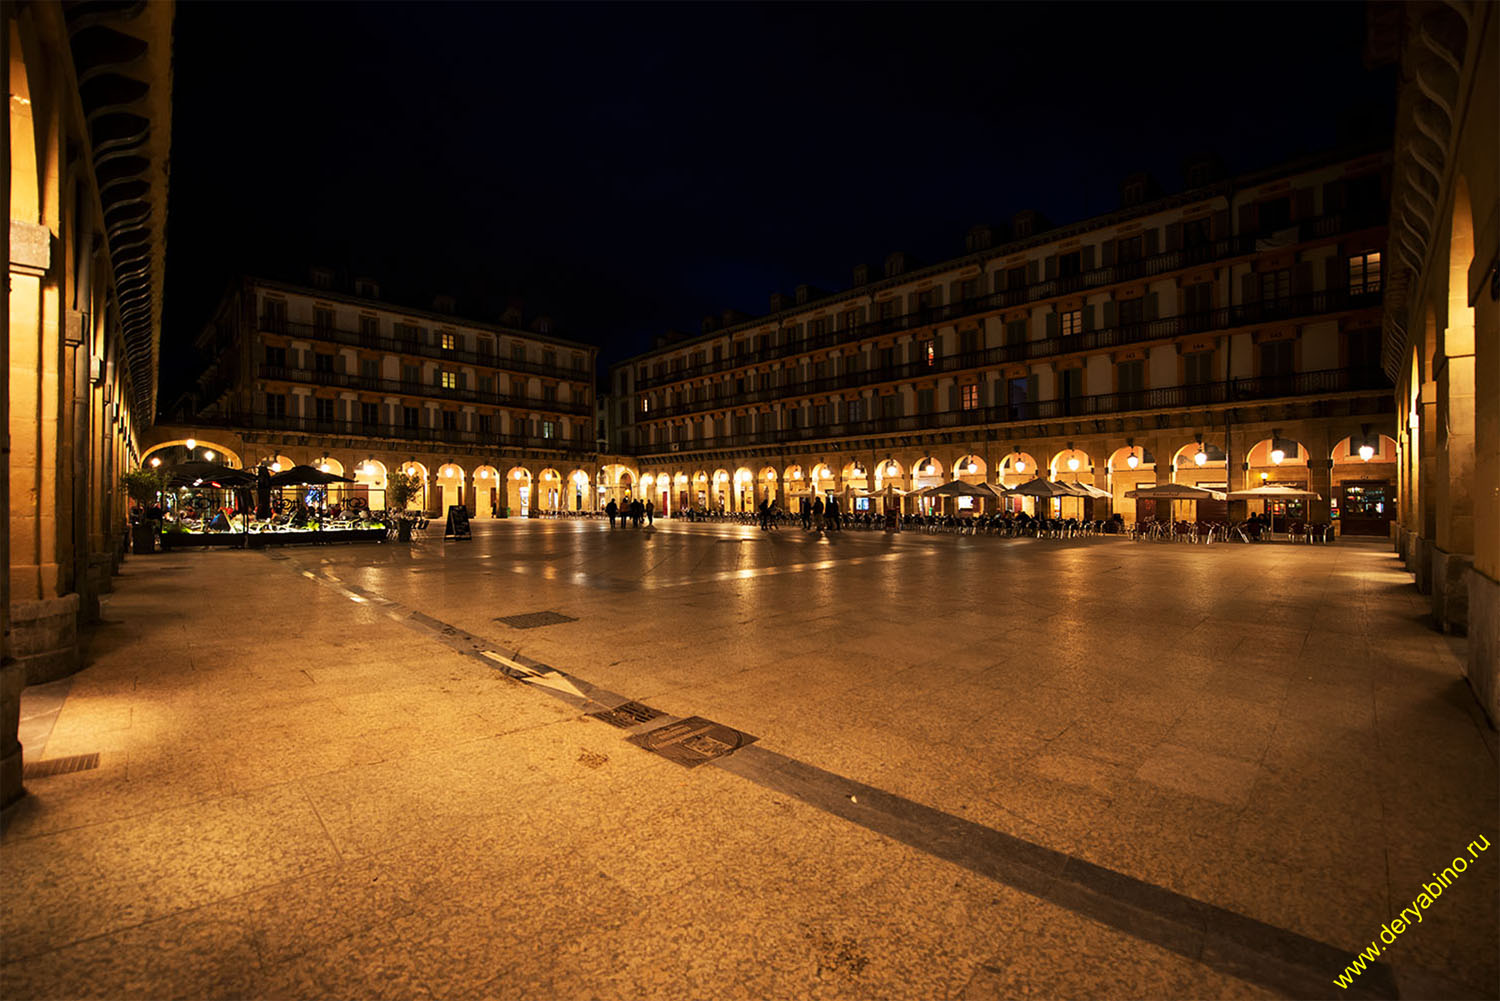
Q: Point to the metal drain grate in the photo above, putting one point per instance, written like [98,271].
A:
[692,741]
[628,714]
[61,766]
[533,619]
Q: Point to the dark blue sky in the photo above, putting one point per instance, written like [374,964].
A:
[627,169]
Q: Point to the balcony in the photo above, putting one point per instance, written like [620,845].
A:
[1226,393]
[345,381]
[411,346]
[1322,227]
[1227,318]
[333,428]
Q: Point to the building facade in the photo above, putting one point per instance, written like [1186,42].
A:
[1441,329]
[87,137]
[1229,335]
[497,418]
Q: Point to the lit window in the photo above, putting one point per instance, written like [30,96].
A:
[1364,273]
[929,353]
[970,397]
[645,404]
[1072,322]
[449,341]
[450,380]
[549,429]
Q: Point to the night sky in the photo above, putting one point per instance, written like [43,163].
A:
[630,169]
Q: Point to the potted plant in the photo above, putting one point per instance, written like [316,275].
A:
[400,488]
[144,487]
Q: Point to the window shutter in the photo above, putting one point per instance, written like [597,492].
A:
[1051,268]
[1108,254]
[1247,219]
[1111,315]
[1088,317]
[1033,391]
[1249,289]
[1333,197]
[952,397]
[1088,258]
[1336,273]
[1153,242]
[1152,305]
[1033,269]
[1174,236]
[1219,227]
[1051,325]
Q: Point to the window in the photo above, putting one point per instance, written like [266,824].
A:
[486,423]
[487,385]
[885,310]
[968,341]
[851,319]
[369,329]
[1016,277]
[645,405]
[276,405]
[273,315]
[369,369]
[518,353]
[1132,311]
[549,393]
[1020,390]
[1275,214]
[1015,332]
[369,414]
[969,397]
[1072,322]
[549,429]
[887,357]
[1364,273]
[323,410]
[1198,298]
[968,289]
[1276,286]
[1069,265]
[1197,232]
[856,411]
[1129,250]
[322,319]
[1130,376]
[410,418]
[1072,383]
[450,420]
[448,340]
[408,335]
[322,362]
[820,415]
[1364,349]
[927,299]
[925,401]
[411,375]
[276,357]
[1277,358]
[549,358]
[448,380]
[888,405]
[1198,368]
[927,353]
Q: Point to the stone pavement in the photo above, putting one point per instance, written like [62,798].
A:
[983,768]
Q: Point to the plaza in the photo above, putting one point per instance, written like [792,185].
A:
[975,767]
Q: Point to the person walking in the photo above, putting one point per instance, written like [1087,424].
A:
[818,513]
[611,509]
[835,516]
[806,513]
[771,515]
[650,514]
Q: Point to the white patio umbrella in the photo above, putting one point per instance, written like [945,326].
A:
[1270,492]
[1174,491]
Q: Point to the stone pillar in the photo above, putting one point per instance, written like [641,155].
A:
[1452,553]
[1320,482]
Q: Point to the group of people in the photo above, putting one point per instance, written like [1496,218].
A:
[820,515]
[633,512]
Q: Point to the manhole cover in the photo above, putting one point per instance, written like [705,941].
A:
[533,619]
[628,714]
[692,741]
[61,766]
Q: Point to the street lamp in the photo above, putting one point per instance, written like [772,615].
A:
[1366,452]
[155,461]
[1201,457]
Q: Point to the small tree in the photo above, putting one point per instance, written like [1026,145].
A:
[143,485]
[400,488]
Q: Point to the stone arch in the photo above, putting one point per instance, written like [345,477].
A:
[175,450]
[369,483]
[889,472]
[822,479]
[451,481]
[579,496]
[767,483]
[487,486]
[744,489]
[1074,463]
[414,468]
[855,476]
[1188,468]
[1119,460]
[700,490]
[926,472]
[549,490]
[794,477]
[719,487]
[1017,467]
[520,498]
[971,469]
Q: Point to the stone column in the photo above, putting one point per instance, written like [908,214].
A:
[1453,549]
[1320,482]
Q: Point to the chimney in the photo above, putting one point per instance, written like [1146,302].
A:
[895,263]
[807,293]
[861,275]
[1202,169]
[542,324]
[444,304]
[513,312]
[1028,223]
[778,302]
[709,324]
[979,238]
[1137,189]
[367,288]
[322,277]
